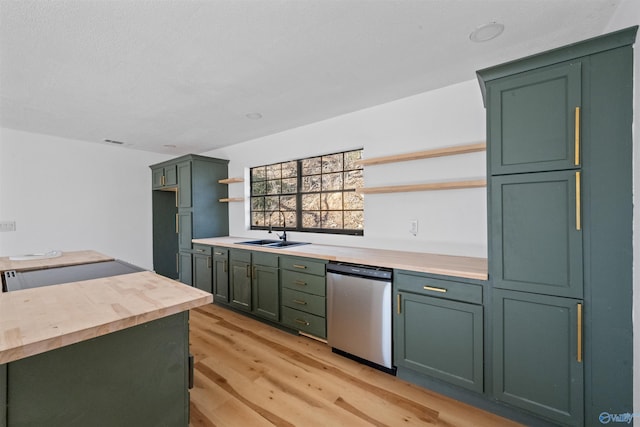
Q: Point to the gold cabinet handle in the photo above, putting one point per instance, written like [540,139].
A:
[218,253]
[578,219]
[398,304]
[162,180]
[300,282]
[579,350]
[431,288]
[303,267]
[201,250]
[254,273]
[577,137]
[249,271]
[177,224]
[209,262]
[302,322]
[224,269]
[297,301]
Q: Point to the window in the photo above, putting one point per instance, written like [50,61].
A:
[316,194]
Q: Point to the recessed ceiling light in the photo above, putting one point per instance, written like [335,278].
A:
[254,116]
[486,32]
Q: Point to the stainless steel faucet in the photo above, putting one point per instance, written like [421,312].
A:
[282,236]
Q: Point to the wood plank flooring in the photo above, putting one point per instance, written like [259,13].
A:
[250,374]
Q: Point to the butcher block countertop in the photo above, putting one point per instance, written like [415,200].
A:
[448,265]
[67,259]
[37,320]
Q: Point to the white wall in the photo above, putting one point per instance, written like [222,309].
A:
[450,222]
[627,15]
[74,195]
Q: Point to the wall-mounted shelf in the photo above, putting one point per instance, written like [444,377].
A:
[230,180]
[232,199]
[451,185]
[438,152]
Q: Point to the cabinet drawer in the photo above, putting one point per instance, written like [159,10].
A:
[305,322]
[425,285]
[305,265]
[202,249]
[302,301]
[240,255]
[303,282]
[266,259]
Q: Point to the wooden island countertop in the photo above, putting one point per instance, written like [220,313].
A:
[33,321]
[447,265]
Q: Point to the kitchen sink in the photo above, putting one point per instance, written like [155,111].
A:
[272,243]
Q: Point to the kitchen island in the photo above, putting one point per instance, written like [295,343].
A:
[108,351]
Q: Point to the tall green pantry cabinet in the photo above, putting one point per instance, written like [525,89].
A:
[559,150]
[186,206]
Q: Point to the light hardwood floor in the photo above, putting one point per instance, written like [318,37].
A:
[249,374]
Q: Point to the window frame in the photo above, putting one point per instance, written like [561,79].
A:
[300,193]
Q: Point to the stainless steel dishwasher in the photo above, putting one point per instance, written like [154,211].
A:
[359,313]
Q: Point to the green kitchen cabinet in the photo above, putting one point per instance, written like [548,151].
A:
[185,268]
[535,237]
[436,335]
[265,286]
[304,289]
[203,268]
[164,176]
[186,207]
[138,376]
[221,274]
[537,354]
[240,279]
[560,228]
[539,120]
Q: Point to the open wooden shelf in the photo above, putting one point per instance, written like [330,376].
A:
[437,152]
[232,199]
[451,185]
[230,180]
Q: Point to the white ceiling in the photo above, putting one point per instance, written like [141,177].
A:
[152,73]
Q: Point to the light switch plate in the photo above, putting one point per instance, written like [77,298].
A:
[7,226]
[413,227]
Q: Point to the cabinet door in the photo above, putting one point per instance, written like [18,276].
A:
[156,178]
[184,185]
[537,354]
[203,272]
[185,273]
[535,241]
[221,275]
[184,229]
[440,338]
[532,120]
[170,176]
[266,292]
[240,284]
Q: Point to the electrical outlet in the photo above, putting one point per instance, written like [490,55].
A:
[7,226]
[413,227]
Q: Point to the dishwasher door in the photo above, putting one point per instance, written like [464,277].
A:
[359,317]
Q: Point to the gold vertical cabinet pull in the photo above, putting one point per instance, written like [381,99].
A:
[255,273]
[398,304]
[578,218]
[577,137]
[579,350]
[162,180]
[177,224]
[249,271]
[209,262]
[224,268]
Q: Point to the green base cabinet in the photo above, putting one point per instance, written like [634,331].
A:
[134,377]
[221,275]
[185,268]
[240,279]
[436,335]
[537,354]
[265,286]
[203,268]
